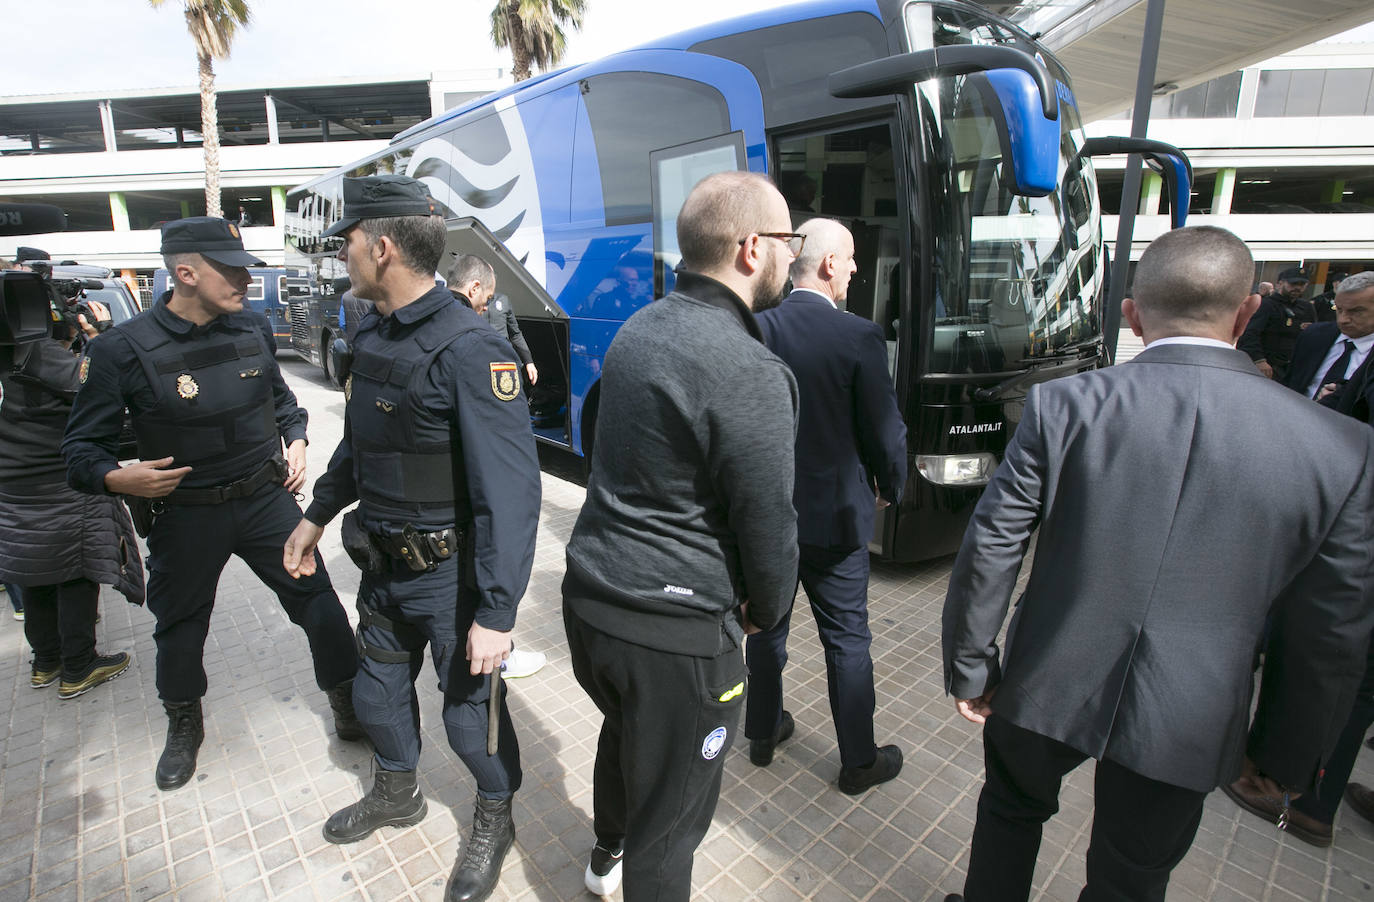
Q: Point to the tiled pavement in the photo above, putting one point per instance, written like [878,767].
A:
[80,818]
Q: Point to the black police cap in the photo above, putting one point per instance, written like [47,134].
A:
[1293,274]
[210,236]
[377,196]
[30,253]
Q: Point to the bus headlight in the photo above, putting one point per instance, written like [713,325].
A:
[957,469]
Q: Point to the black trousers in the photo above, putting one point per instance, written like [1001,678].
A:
[1141,830]
[187,550]
[669,722]
[59,622]
[836,583]
[426,608]
[1322,803]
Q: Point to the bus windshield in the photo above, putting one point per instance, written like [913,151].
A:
[1016,279]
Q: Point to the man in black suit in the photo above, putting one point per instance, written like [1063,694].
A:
[1172,524]
[1331,363]
[851,457]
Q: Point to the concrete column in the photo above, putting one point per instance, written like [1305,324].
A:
[1151,186]
[119,212]
[107,126]
[1224,191]
[185,209]
[1249,90]
[278,205]
[273,135]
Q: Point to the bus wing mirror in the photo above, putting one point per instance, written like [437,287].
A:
[894,74]
[1015,84]
[1170,162]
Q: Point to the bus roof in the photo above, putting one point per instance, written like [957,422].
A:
[684,40]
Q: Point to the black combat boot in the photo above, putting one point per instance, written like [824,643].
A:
[346,724]
[395,801]
[493,833]
[185,732]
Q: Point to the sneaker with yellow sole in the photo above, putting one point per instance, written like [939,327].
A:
[41,677]
[102,669]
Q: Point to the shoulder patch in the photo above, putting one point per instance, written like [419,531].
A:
[505,381]
[85,371]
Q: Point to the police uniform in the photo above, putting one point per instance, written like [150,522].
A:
[438,452]
[211,397]
[1276,325]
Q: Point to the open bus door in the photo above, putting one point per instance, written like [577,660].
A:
[543,322]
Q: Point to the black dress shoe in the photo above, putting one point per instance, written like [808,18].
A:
[1370,742]
[954,897]
[761,750]
[888,764]
[1361,799]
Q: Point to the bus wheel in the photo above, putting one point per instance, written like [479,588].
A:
[326,340]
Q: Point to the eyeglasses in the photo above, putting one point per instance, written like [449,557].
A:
[794,241]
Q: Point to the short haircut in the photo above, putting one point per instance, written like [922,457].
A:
[1194,274]
[1361,281]
[171,261]
[419,240]
[719,211]
[468,268]
[823,236]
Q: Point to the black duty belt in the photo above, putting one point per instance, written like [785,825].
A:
[274,469]
[419,550]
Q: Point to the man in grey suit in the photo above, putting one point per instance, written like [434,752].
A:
[1171,523]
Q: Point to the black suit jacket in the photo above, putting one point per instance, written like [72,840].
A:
[1356,397]
[850,435]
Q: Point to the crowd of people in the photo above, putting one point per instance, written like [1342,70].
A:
[745,440]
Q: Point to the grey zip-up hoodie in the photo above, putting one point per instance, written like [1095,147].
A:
[689,504]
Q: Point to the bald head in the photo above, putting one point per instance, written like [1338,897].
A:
[1193,277]
[722,209]
[827,258]
[720,233]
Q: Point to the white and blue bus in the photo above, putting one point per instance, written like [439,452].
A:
[942,136]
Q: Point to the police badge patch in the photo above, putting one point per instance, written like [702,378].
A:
[85,370]
[187,387]
[505,383]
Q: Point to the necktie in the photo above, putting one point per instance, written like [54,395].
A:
[1337,371]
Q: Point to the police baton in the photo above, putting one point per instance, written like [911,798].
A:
[494,691]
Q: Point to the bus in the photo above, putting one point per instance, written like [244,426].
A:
[271,293]
[944,137]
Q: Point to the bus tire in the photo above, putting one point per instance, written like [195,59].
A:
[326,339]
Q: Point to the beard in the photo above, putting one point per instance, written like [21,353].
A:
[768,290]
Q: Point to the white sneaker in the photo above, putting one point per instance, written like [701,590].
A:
[603,870]
[523,663]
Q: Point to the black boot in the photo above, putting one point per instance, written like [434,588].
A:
[395,801]
[493,832]
[185,732]
[346,724]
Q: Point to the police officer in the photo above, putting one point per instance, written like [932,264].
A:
[1273,330]
[437,448]
[473,281]
[210,411]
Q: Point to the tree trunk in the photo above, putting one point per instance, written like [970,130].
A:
[519,49]
[209,131]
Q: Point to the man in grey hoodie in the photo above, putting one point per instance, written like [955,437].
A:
[687,539]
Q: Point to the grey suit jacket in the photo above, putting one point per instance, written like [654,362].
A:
[1174,514]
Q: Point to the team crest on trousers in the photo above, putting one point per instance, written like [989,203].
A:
[505,384]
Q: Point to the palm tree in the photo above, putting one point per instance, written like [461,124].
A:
[213,24]
[533,30]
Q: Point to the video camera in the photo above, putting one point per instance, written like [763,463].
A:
[34,305]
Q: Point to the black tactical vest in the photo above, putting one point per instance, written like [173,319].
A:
[403,454]
[214,399]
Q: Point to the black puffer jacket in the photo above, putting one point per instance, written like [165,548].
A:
[50,533]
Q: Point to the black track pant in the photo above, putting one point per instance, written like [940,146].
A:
[669,721]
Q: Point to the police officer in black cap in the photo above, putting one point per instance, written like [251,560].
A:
[1274,329]
[437,448]
[210,409]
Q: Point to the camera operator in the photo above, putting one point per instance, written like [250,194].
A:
[58,544]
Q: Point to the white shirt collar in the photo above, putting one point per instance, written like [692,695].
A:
[1191,340]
